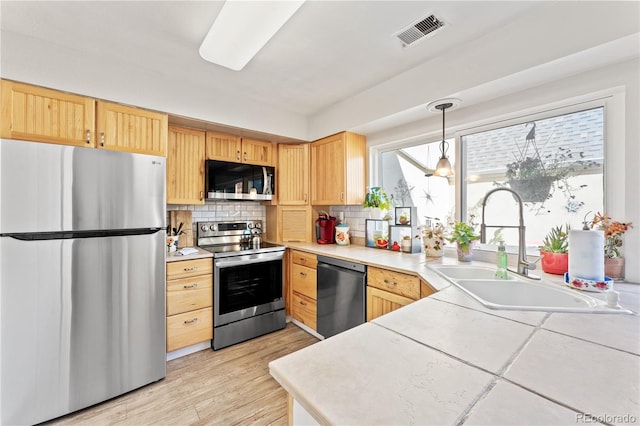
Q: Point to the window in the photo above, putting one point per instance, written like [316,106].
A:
[554,161]
[555,164]
[403,176]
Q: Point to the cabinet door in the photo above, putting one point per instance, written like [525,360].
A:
[328,171]
[185,166]
[293,174]
[257,152]
[189,328]
[304,310]
[303,281]
[381,302]
[124,128]
[223,147]
[294,223]
[44,115]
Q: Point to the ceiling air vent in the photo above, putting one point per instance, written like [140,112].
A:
[419,30]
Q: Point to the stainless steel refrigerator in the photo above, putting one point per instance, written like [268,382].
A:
[82,277]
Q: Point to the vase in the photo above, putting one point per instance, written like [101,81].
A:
[433,246]
[554,263]
[375,213]
[172,243]
[465,255]
[614,267]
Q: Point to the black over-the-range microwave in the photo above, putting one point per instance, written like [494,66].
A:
[239,181]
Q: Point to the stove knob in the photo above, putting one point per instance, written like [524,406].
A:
[204,228]
[212,227]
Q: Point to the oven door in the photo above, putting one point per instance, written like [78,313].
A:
[247,285]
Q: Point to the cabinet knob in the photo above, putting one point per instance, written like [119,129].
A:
[201,195]
[193,268]
[238,155]
[245,156]
[88,136]
[101,138]
[341,196]
[191,321]
[194,285]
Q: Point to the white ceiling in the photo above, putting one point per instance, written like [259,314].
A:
[334,66]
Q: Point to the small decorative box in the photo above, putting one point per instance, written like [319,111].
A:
[588,285]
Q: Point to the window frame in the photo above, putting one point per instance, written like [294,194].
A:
[612,100]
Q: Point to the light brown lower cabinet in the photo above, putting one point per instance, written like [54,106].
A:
[380,302]
[189,302]
[389,290]
[302,270]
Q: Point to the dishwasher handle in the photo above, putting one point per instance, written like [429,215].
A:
[346,264]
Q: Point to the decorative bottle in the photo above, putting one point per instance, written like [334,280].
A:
[501,262]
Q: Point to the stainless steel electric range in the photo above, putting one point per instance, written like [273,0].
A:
[248,281]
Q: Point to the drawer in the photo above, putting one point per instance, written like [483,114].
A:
[303,280]
[187,294]
[304,310]
[189,328]
[303,258]
[189,268]
[394,282]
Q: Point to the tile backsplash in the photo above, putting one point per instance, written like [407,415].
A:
[223,210]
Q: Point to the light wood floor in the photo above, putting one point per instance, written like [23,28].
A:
[231,386]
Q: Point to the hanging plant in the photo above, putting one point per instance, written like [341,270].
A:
[529,175]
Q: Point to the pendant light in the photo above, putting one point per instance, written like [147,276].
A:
[443,168]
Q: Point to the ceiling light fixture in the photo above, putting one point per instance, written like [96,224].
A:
[443,168]
[242,28]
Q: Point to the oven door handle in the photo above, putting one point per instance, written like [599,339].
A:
[248,259]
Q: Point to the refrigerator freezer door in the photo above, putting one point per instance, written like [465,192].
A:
[51,188]
[82,321]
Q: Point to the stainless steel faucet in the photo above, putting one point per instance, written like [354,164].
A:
[524,265]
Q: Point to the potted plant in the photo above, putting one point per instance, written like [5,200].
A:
[554,250]
[464,235]
[613,231]
[377,200]
[529,176]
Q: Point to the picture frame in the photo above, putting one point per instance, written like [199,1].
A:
[377,233]
[405,215]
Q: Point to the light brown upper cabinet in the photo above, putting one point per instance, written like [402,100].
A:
[338,169]
[224,147]
[185,166]
[44,115]
[293,174]
[125,128]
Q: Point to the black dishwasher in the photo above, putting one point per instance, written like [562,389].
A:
[341,297]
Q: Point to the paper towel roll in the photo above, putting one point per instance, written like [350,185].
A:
[586,254]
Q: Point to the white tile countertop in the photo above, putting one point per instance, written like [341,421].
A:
[446,359]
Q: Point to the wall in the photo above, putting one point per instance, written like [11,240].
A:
[618,82]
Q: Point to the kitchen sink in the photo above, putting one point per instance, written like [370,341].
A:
[520,294]
[468,272]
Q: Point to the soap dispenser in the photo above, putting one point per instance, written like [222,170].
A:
[501,262]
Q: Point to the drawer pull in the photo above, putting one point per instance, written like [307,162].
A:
[88,136]
[303,303]
[303,274]
[193,268]
[390,283]
[194,285]
[302,259]
[191,321]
